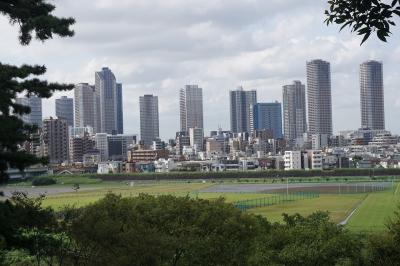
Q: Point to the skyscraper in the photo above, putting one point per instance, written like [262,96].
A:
[120,114]
[267,116]
[35,116]
[319,97]
[55,140]
[191,107]
[240,103]
[372,95]
[106,103]
[84,97]
[65,109]
[294,110]
[149,123]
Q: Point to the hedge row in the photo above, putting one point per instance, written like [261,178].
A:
[251,174]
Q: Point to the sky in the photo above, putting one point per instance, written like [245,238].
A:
[158,46]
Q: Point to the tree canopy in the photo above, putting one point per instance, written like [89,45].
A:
[364,16]
[35,20]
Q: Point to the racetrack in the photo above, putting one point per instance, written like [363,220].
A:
[328,188]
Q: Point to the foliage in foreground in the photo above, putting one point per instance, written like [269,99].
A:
[364,16]
[35,20]
[167,230]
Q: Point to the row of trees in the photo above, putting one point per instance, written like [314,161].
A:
[169,230]
[348,172]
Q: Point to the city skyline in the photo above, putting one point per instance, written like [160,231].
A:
[245,109]
[207,48]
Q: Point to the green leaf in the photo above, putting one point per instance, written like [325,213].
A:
[366,36]
[382,35]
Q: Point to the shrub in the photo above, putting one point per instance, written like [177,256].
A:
[43,181]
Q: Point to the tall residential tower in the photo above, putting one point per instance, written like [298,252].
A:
[84,97]
[107,102]
[372,95]
[240,103]
[294,110]
[191,107]
[319,97]
[149,122]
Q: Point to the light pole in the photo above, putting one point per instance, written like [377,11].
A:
[287,186]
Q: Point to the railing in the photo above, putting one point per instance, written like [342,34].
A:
[244,205]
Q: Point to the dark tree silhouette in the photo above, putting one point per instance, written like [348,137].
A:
[35,20]
[364,16]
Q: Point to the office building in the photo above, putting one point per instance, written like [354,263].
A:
[106,103]
[120,112]
[149,121]
[65,109]
[267,116]
[55,140]
[118,146]
[182,140]
[372,95]
[191,107]
[294,111]
[84,104]
[240,103]
[35,104]
[319,97]
[101,144]
[196,136]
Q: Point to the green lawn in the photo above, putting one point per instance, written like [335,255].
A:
[375,211]
[339,206]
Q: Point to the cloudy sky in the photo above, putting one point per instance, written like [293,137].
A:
[158,46]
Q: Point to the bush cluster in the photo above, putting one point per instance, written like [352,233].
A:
[43,181]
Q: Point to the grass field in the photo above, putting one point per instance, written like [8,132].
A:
[372,210]
[339,206]
[375,211]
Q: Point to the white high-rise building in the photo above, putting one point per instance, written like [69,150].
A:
[84,104]
[191,107]
[35,116]
[294,111]
[372,95]
[107,102]
[149,120]
[240,103]
[319,97]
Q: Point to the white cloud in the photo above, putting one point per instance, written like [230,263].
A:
[158,46]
